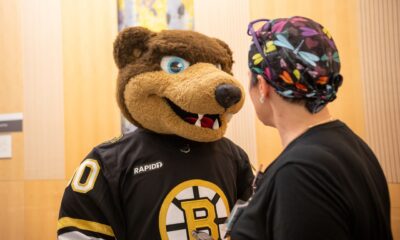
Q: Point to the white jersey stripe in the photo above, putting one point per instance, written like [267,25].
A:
[75,235]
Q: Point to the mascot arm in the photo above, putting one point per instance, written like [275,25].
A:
[87,209]
[245,177]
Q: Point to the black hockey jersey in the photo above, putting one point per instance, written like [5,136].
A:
[151,186]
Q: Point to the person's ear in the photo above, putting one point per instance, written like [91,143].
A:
[130,44]
[262,86]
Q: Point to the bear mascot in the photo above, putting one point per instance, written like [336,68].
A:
[176,174]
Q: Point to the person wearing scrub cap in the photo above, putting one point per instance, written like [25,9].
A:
[327,183]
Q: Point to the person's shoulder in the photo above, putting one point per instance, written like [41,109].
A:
[309,150]
[296,162]
[306,150]
[318,157]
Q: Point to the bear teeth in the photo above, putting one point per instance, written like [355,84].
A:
[216,124]
[198,122]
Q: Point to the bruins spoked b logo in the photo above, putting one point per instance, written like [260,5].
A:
[193,205]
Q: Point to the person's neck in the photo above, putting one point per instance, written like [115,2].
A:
[295,123]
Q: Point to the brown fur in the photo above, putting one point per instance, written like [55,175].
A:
[143,85]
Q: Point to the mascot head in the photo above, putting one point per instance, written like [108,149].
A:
[176,82]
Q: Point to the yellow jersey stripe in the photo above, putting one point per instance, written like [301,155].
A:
[85,225]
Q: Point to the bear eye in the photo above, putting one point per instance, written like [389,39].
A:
[173,64]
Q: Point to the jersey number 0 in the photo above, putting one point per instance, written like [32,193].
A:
[85,185]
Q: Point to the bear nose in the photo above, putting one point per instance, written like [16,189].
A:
[227,95]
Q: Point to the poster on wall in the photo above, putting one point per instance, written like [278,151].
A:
[155,15]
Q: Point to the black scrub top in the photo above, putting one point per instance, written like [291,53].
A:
[327,184]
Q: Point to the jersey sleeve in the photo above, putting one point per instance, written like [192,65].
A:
[87,208]
[305,206]
[245,177]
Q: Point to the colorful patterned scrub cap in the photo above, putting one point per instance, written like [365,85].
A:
[298,57]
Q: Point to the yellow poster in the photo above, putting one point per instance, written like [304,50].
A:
[152,14]
[156,14]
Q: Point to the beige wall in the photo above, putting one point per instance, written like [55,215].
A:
[91,111]
[11,83]
[11,171]
[380,74]
[395,201]
[56,67]
[41,71]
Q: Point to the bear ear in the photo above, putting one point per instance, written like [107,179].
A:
[229,58]
[130,44]
[224,45]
